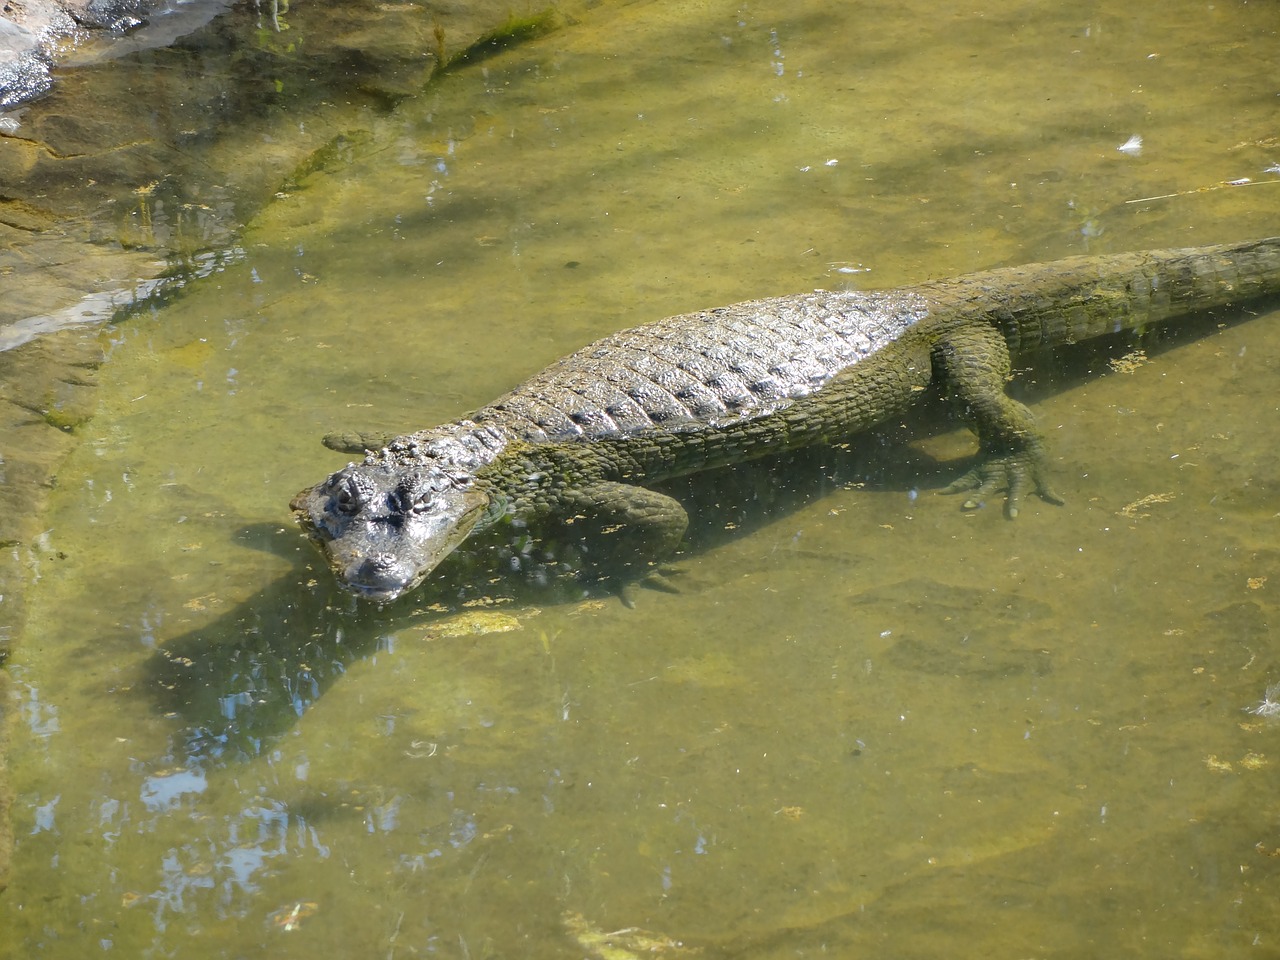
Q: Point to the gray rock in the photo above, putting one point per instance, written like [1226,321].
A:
[33,35]
[23,78]
[27,34]
[117,15]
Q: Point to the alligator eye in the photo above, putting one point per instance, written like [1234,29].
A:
[351,494]
[346,500]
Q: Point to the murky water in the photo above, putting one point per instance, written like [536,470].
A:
[866,723]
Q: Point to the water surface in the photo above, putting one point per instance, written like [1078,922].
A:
[867,722]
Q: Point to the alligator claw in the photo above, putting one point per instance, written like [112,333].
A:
[1016,473]
[659,579]
[656,579]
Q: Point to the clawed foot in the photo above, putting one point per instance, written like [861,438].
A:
[659,578]
[1017,473]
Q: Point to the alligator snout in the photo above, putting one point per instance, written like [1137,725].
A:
[382,577]
[385,527]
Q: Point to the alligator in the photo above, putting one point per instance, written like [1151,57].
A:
[584,440]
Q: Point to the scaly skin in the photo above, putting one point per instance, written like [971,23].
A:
[580,441]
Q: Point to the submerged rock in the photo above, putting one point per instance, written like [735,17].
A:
[168,125]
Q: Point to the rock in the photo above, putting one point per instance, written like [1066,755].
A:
[148,117]
[117,15]
[28,30]
[37,34]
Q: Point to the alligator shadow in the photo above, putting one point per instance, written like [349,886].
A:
[239,682]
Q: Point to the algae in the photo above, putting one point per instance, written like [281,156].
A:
[514,31]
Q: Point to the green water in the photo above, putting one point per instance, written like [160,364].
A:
[867,724]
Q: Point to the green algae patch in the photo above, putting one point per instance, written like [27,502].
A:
[516,30]
[336,152]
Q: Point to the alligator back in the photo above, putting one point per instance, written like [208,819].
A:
[714,369]
[705,370]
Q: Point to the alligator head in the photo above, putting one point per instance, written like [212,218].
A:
[386,523]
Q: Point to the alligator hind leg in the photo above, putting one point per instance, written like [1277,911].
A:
[973,365]
[622,529]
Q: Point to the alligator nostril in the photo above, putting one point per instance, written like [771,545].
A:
[382,562]
[380,576]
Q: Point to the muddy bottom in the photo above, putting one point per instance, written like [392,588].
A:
[867,722]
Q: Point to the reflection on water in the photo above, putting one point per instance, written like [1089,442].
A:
[866,722]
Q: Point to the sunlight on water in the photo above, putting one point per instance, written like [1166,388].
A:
[866,723]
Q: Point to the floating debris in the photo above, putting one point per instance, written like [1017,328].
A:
[1132,510]
[1250,761]
[1242,182]
[1270,705]
[1131,147]
[290,918]
[1129,362]
[629,943]
[476,623]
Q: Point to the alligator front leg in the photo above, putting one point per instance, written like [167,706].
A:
[629,528]
[972,363]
